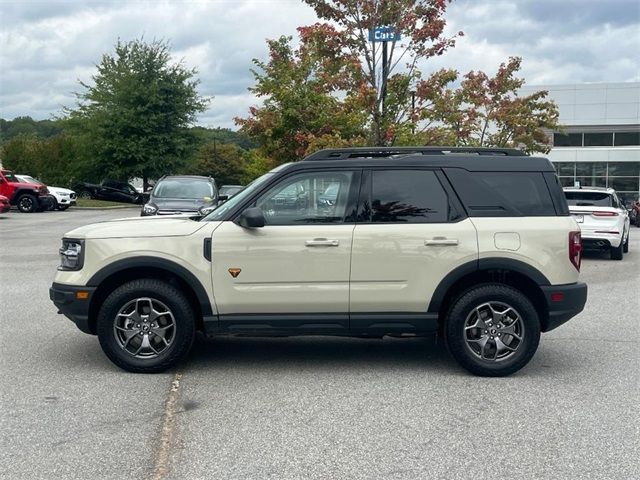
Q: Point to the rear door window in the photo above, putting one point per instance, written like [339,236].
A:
[502,194]
[406,196]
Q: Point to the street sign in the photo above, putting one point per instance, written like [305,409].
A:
[384,34]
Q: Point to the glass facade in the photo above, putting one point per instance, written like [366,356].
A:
[596,139]
[624,177]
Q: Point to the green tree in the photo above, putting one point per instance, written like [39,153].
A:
[138,110]
[338,86]
[484,111]
[300,87]
[257,164]
[223,161]
[336,89]
[61,160]
[22,154]
[224,135]
[26,125]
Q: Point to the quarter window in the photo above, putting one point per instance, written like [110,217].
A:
[407,196]
[307,198]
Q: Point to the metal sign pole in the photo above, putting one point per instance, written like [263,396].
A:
[385,72]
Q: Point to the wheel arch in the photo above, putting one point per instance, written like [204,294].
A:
[514,273]
[18,192]
[112,276]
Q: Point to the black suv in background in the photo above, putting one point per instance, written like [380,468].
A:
[110,190]
[182,194]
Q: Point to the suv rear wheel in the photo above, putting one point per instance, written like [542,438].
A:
[146,326]
[617,252]
[492,330]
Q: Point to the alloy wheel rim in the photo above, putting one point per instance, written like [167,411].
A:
[494,331]
[144,327]
[26,203]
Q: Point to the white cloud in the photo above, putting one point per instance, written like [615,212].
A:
[46,46]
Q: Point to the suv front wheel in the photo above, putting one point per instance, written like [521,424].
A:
[27,203]
[492,330]
[146,326]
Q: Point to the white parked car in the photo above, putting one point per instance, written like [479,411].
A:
[603,219]
[63,196]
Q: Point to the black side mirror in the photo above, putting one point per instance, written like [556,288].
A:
[251,218]
[222,198]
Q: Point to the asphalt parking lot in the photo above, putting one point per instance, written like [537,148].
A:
[320,408]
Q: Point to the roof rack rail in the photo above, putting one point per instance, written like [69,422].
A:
[385,152]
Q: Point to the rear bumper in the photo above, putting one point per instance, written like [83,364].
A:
[563,302]
[593,240]
[64,298]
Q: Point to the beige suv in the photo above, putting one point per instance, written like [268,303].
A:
[476,244]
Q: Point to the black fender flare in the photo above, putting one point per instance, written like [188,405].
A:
[159,263]
[21,191]
[492,263]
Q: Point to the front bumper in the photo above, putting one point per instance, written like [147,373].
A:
[66,201]
[46,201]
[65,298]
[563,302]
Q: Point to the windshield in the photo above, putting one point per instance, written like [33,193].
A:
[588,199]
[230,190]
[239,197]
[10,177]
[28,179]
[183,188]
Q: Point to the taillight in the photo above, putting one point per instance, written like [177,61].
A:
[575,249]
[605,214]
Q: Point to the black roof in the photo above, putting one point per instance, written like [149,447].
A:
[384,152]
[469,158]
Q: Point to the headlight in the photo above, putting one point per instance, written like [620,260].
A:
[71,254]
[150,209]
[206,210]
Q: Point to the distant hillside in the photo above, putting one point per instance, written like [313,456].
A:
[28,126]
[224,135]
[50,128]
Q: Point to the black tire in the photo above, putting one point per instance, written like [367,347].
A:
[85,194]
[53,205]
[183,332]
[625,247]
[471,303]
[27,203]
[62,208]
[617,252]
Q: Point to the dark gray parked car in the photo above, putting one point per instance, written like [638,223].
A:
[182,194]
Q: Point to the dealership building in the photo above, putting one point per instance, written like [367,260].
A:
[600,141]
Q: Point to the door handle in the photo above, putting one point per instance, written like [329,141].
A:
[441,241]
[322,242]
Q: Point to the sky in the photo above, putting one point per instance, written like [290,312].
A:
[47,47]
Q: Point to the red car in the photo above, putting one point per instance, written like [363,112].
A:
[4,204]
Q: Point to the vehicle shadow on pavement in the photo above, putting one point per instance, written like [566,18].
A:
[595,255]
[320,352]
